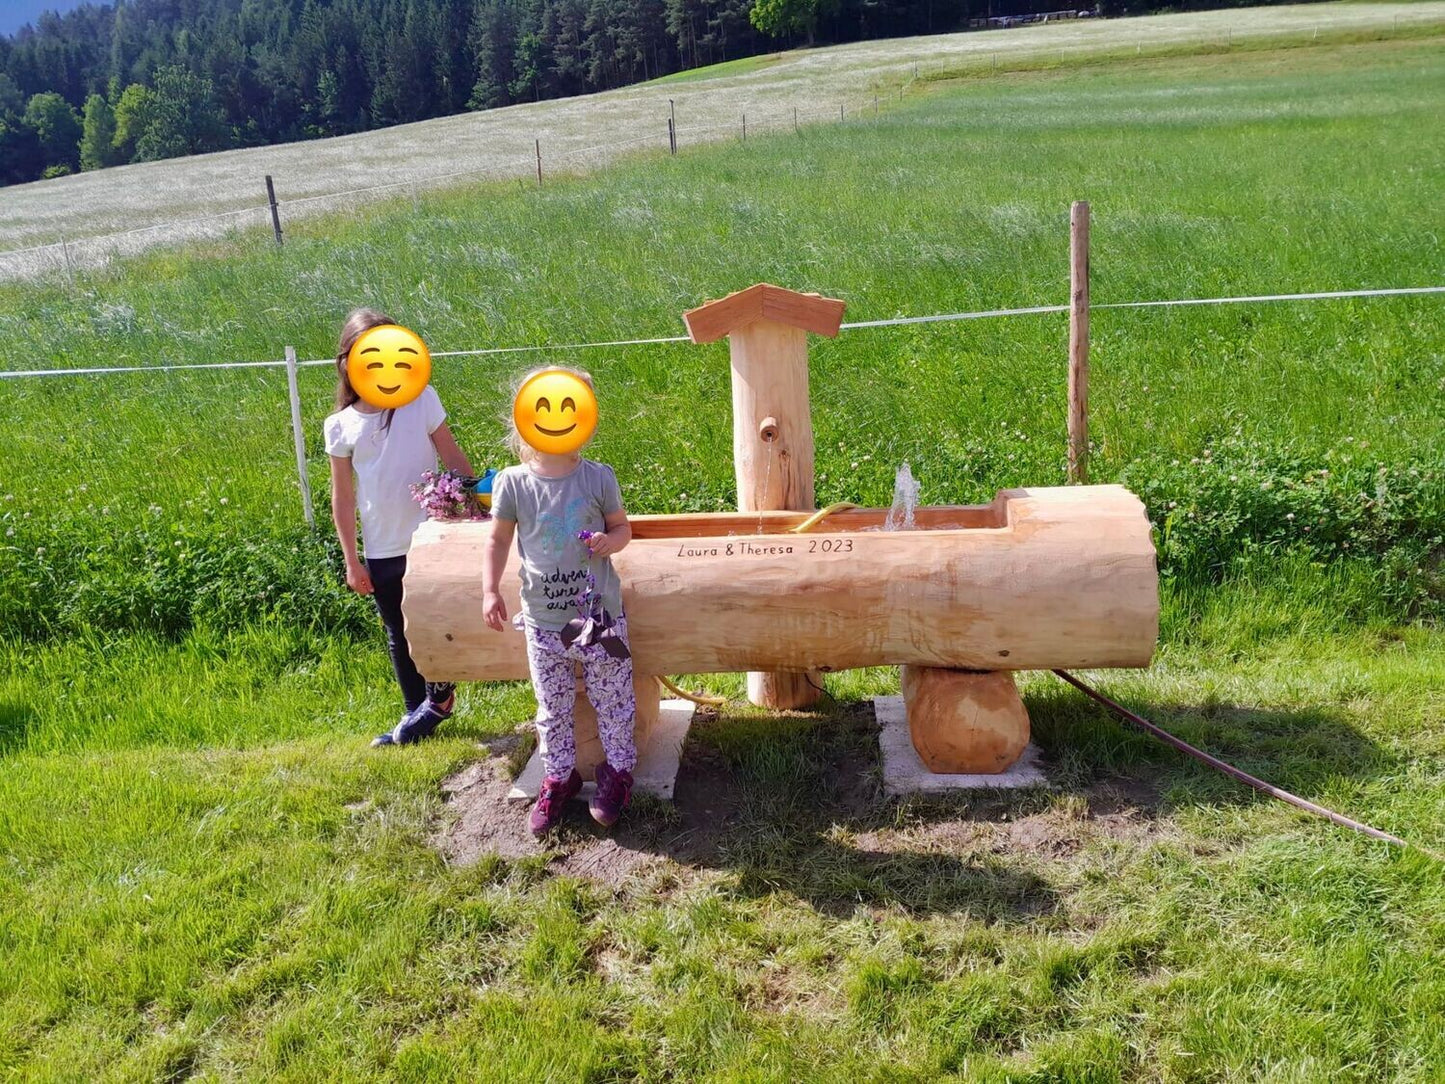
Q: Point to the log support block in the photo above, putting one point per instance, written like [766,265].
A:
[964,722]
[584,721]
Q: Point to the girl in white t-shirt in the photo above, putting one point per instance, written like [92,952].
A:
[376,455]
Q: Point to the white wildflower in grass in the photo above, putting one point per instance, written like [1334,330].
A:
[1290,516]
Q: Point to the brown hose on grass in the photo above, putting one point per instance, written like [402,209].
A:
[1234,773]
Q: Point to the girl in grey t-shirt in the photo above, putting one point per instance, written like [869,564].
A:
[546,504]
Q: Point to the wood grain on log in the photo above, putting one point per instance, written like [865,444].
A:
[1068,580]
[964,721]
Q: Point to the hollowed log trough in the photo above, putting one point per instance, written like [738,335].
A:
[1036,579]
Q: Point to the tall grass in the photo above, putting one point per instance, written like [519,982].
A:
[204,874]
[1311,424]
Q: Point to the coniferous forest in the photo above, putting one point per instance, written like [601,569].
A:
[139,80]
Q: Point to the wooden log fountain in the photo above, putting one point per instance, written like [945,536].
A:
[1037,579]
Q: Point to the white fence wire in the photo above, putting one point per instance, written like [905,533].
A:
[291,364]
[860,325]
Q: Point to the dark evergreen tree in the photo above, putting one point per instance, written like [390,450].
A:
[183,75]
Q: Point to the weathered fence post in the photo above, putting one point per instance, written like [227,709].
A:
[538,144]
[1079,342]
[69,267]
[298,437]
[671,136]
[275,211]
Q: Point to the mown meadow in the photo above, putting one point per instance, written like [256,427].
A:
[206,872]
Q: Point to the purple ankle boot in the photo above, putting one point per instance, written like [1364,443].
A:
[613,790]
[552,802]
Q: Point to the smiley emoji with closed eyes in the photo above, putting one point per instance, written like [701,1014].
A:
[388,366]
[555,412]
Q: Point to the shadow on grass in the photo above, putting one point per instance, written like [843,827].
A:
[1300,750]
[15,721]
[795,804]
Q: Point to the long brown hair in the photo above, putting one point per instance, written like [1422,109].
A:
[357,324]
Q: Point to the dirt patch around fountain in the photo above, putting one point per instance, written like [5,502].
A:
[798,807]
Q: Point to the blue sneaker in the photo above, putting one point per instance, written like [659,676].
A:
[420,723]
[385,739]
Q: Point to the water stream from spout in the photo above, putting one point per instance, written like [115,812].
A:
[762,497]
[905,501]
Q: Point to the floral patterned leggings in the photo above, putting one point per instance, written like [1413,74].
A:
[609,688]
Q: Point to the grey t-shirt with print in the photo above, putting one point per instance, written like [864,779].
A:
[549,513]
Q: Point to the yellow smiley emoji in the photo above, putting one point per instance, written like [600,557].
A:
[555,412]
[388,366]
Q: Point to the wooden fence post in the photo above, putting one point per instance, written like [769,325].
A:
[275,211]
[671,136]
[298,437]
[538,144]
[69,267]
[1079,342]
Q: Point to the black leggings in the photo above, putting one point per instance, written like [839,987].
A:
[386,574]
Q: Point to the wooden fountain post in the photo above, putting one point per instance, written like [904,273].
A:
[767,329]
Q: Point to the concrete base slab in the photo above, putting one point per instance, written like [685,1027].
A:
[905,773]
[657,760]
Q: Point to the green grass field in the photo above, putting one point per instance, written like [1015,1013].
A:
[206,874]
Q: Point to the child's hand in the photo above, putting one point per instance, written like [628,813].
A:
[494,610]
[358,579]
[601,544]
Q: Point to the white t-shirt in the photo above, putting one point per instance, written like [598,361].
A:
[386,463]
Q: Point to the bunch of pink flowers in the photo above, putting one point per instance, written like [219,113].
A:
[444,496]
